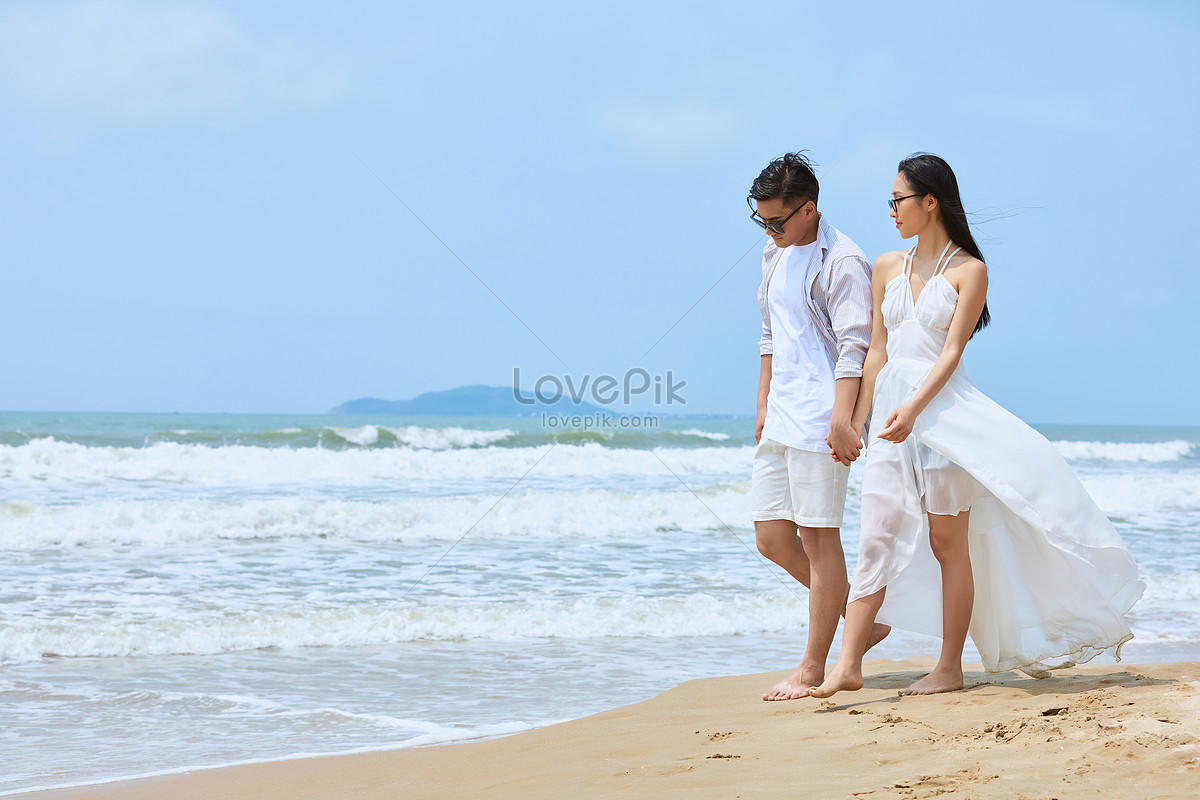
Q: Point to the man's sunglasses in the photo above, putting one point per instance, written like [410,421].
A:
[771,225]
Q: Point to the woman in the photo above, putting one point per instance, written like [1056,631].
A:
[972,521]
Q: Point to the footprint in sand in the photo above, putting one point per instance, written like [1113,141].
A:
[1004,732]
[930,785]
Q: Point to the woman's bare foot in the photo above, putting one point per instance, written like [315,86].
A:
[940,680]
[842,680]
[796,685]
[879,632]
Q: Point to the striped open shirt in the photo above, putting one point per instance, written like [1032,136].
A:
[838,298]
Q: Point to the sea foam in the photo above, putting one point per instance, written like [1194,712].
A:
[591,514]
[451,438]
[1125,451]
[43,464]
[563,618]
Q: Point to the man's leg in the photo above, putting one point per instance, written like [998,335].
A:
[860,621]
[778,541]
[826,573]
[827,593]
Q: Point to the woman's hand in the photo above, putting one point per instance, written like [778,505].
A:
[899,424]
[759,423]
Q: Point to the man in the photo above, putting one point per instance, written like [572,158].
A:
[815,300]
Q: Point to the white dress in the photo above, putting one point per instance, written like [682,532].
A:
[1053,580]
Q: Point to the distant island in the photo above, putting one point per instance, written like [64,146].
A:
[470,401]
[489,401]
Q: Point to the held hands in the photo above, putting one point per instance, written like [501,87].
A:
[899,424]
[845,442]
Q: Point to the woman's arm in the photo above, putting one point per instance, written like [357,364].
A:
[972,281]
[884,270]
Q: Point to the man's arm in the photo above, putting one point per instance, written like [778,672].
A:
[849,303]
[764,390]
[765,347]
[844,441]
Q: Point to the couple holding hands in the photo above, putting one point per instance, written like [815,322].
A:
[972,523]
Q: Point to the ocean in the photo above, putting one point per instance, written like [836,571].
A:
[182,591]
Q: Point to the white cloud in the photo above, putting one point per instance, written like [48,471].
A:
[680,127]
[139,60]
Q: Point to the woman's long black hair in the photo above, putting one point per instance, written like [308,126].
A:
[930,174]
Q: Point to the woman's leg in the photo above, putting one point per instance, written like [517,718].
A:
[806,560]
[856,638]
[948,538]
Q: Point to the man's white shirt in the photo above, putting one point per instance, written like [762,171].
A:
[800,402]
[816,307]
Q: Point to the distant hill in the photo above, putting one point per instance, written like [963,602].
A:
[469,401]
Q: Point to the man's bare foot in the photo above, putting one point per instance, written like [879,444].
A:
[879,632]
[848,680]
[796,685]
[938,681]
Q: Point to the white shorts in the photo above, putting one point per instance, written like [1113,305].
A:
[803,486]
[949,489]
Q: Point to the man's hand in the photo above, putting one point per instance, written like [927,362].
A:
[845,442]
[758,426]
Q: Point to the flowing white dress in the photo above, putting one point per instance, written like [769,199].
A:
[1053,580]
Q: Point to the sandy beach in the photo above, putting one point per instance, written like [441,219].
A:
[1129,731]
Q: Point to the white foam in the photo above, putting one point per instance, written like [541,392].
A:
[46,463]
[448,438]
[417,437]
[1125,451]
[366,435]
[1145,494]
[714,436]
[588,514]
[567,618]
[1182,589]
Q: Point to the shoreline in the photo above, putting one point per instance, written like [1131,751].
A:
[1003,736]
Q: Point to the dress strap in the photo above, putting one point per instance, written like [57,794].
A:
[942,262]
[941,265]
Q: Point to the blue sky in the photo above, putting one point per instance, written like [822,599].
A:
[188,225]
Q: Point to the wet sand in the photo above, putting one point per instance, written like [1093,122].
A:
[1103,731]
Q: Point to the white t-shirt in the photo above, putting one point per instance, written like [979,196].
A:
[800,403]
